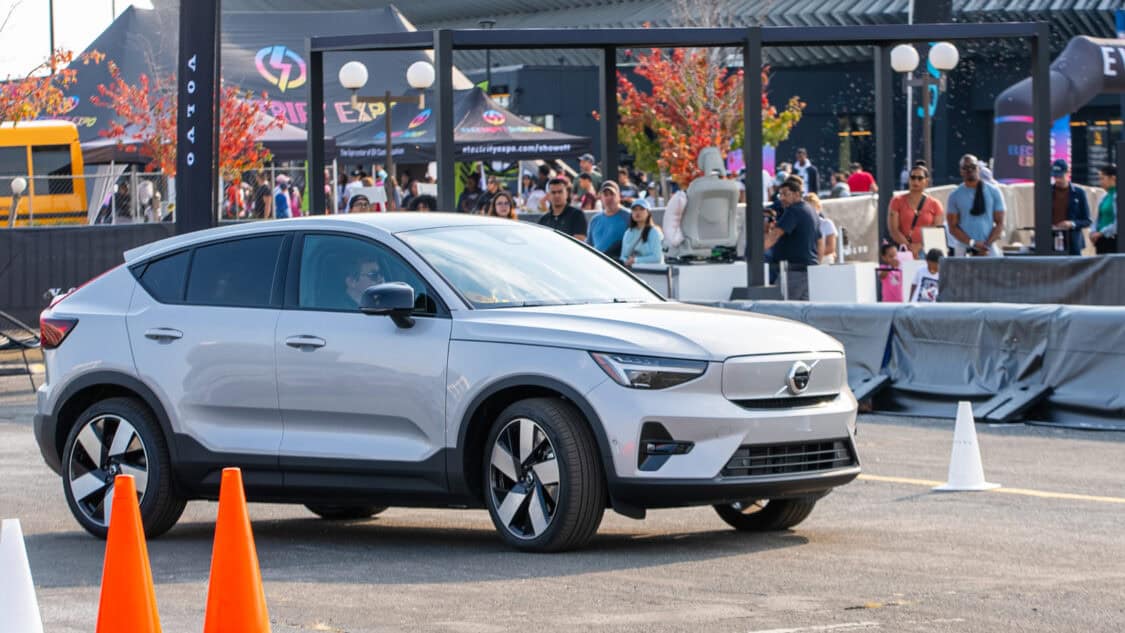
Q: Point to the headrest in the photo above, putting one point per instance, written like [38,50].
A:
[711,160]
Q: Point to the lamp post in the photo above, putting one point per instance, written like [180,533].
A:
[943,57]
[19,185]
[487,24]
[420,76]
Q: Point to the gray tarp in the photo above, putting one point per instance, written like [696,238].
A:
[1085,360]
[966,351]
[942,353]
[1046,280]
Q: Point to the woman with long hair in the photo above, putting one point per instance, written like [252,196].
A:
[503,205]
[913,210]
[643,241]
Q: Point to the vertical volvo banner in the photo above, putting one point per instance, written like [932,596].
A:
[197,115]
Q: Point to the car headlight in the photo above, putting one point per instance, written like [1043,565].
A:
[648,372]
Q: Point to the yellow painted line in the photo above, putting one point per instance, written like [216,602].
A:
[1011,491]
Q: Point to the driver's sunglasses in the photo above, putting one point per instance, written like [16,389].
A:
[374,274]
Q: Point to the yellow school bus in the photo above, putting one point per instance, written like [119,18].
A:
[47,155]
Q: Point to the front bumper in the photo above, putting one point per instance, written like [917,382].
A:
[719,430]
[673,493]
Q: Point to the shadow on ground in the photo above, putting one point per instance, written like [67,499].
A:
[380,552]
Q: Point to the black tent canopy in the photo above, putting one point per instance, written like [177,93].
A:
[262,52]
[483,130]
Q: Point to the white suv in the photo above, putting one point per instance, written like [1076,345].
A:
[357,362]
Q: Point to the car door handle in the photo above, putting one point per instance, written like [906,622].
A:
[305,341]
[163,334]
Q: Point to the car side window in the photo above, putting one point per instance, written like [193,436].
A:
[238,273]
[164,278]
[336,269]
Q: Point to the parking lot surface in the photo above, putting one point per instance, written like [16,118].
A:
[1044,553]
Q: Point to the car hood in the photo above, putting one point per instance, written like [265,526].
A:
[662,329]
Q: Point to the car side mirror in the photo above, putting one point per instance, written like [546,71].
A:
[394,299]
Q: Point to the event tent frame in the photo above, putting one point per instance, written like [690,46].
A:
[751,40]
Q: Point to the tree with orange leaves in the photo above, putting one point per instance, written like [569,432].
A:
[42,91]
[694,103]
[146,123]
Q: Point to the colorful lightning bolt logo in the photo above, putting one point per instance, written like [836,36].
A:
[282,60]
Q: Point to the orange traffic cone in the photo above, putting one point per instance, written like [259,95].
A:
[128,600]
[235,600]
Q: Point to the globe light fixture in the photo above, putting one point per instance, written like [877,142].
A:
[420,75]
[353,75]
[18,185]
[944,56]
[904,58]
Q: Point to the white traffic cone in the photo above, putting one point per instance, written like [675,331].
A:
[17,593]
[965,470]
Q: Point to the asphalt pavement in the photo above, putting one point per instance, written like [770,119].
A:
[1043,553]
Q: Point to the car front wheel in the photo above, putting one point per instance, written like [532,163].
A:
[543,480]
[765,515]
[119,436]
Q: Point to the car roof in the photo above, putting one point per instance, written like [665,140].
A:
[386,223]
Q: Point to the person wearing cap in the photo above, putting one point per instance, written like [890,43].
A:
[643,240]
[1070,212]
[607,228]
[975,212]
[359,203]
[586,166]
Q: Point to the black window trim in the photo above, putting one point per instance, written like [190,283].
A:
[277,292]
[293,279]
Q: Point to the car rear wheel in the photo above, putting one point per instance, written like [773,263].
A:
[119,436]
[543,480]
[765,515]
[342,513]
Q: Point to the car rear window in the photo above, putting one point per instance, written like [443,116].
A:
[235,273]
[164,278]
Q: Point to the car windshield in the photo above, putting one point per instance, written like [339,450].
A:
[518,265]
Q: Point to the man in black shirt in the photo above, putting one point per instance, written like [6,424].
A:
[561,216]
[467,203]
[261,203]
[792,238]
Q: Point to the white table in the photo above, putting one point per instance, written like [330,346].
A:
[843,283]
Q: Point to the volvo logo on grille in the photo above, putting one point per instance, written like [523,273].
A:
[798,378]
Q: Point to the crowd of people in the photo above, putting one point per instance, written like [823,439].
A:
[797,230]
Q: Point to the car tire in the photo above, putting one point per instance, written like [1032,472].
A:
[344,513]
[128,440]
[543,481]
[765,515]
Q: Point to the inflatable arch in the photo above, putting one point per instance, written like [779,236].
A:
[1086,68]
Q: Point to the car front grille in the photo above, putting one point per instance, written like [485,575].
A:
[786,403]
[784,459]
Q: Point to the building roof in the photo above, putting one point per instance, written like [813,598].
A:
[1068,18]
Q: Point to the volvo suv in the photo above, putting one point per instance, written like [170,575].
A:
[358,362]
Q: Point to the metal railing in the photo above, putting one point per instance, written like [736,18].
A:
[90,199]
